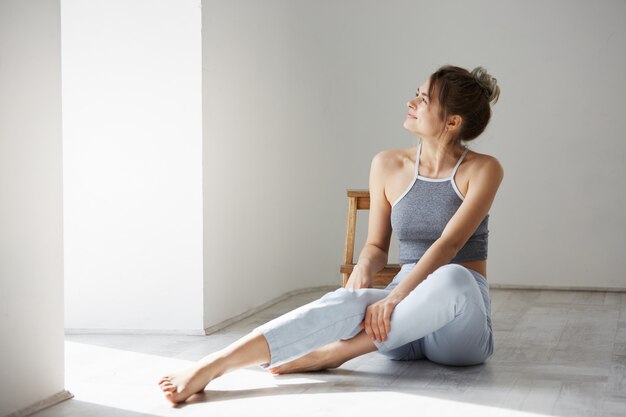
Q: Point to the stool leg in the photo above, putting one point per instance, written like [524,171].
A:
[348,253]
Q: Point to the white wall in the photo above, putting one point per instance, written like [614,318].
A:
[298,97]
[273,204]
[31,219]
[132,164]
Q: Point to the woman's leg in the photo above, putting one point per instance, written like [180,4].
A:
[335,316]
[330,356]
[468,339]
[449,304]
[448,313]
[337,353]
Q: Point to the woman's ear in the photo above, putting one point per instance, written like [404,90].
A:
[454,123]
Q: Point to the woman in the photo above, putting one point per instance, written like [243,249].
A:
[436,197]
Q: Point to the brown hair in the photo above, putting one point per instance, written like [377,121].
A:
[467,94]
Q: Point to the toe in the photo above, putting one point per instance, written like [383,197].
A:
[170,397]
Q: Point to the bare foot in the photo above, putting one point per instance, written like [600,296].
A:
[251,349]
[315,361]
[178,386]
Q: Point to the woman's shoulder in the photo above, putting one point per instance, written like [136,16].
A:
[481,161]
[394,159]
[483,164]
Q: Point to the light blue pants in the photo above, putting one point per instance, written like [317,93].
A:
[445,319]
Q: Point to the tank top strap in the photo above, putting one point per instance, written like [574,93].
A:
[458,163]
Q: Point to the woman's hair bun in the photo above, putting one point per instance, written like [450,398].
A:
[488,83]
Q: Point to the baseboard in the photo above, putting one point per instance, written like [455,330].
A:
[246,314]
[45,403]
[142,332]
[554,288]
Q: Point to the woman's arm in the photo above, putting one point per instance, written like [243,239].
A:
[374,255]
[481,192]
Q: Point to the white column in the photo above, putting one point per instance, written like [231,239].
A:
[31,217]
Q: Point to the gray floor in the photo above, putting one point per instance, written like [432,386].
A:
[558,353]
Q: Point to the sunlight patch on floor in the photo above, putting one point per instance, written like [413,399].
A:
[128,381]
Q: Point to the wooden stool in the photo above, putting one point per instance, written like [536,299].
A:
[360,200]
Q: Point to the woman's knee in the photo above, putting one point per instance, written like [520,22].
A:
[452,276]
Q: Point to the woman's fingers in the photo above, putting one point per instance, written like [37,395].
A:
[377,323]
[385,322]
[371,325]
[382,330]
[382,324]
[374,324]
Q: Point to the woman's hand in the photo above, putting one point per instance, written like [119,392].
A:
[359,278]
[377,322]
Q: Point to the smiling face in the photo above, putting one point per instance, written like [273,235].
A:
[423,114]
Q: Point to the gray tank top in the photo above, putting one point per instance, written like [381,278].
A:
[420,214]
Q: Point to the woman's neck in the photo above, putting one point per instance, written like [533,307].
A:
[437,157]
